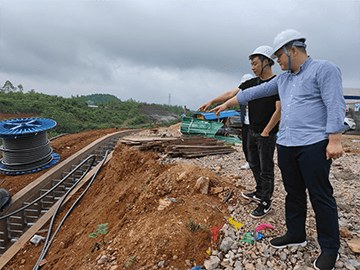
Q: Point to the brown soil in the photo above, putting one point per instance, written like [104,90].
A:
[126,194]
[5,116]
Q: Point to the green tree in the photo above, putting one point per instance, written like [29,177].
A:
[73,115]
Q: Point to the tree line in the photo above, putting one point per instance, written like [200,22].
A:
[73,115]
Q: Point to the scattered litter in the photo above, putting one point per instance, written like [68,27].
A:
[263,226]
[36,239]
[259,236]
[208,252]
[196,268]
[247,238]
[355,140]
[173,200]
[42,262]
[215,231]
[236,225]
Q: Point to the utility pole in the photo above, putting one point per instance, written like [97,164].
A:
[169,99]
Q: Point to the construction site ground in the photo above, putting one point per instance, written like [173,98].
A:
[153,209]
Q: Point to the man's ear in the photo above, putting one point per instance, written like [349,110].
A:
[294,51]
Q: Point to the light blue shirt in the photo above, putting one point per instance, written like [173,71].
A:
[312,102]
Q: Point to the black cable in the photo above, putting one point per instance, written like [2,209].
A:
[48,243]
[50,190]
[24,152]
[17,159]
[53,138]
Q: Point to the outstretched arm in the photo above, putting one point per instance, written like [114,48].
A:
[223,97]
[230,103]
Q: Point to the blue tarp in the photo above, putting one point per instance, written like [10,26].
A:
[224,114]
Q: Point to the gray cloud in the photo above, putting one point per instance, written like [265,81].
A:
[146,50]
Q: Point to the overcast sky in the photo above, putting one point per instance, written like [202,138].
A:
[190,51]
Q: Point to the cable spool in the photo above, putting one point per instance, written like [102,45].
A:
[26,148]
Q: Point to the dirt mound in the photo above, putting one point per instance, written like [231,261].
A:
[157,113]
[154,213]
[5,116]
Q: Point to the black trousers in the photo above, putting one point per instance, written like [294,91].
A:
[261,161]
[302,168]
[244,135]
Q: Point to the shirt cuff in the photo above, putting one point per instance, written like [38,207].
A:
[335,128]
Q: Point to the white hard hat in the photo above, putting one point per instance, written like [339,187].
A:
[263,50]
[285,37]
[246,77]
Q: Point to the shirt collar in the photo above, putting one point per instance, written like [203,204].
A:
[302,67]
[305,64]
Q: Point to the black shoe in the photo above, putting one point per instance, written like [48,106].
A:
[251,196]
[284,241]
[326,261]
[262,209]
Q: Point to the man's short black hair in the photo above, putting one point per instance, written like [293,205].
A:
[262,58]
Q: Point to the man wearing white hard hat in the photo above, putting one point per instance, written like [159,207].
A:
[312,120]
[264,115]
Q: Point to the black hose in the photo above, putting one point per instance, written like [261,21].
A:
[50,190]
[48,243]
[53,138]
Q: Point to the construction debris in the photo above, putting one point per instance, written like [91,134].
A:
[193,146]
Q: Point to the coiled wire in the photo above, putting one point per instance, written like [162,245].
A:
[26,152]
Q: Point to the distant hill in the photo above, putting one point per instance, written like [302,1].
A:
[157,113]
[97,99]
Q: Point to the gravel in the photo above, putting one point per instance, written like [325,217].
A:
[235,255]
[232,254]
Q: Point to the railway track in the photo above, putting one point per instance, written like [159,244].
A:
[32,206]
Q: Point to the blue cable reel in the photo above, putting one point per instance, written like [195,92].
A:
[26,148]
